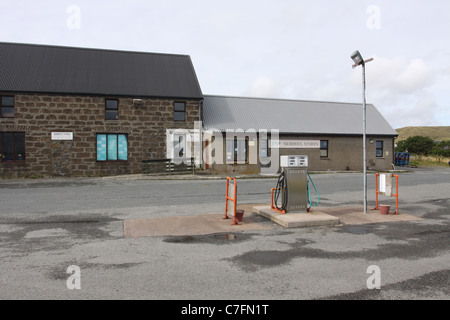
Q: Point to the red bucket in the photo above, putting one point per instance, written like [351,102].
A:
[384,209]
[239,215]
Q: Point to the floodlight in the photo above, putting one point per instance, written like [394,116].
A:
[357,58]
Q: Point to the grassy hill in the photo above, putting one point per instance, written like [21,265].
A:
[435,133]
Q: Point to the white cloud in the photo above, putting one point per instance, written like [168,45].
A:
[401,89]
[418,111]
[264,87]
[399,75]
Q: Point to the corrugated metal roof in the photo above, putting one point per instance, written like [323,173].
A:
[67,70]
[292,116]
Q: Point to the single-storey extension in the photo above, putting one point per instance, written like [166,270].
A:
[255,132]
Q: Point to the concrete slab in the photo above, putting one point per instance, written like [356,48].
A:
[331,216]
[297,220]
[191,225]
[355,215]
[255,218]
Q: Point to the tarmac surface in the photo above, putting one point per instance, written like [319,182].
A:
[164,238]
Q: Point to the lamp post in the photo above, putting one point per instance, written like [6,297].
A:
[358,60]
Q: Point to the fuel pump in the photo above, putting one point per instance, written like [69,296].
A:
[293,185]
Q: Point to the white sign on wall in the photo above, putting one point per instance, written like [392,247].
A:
[62,135]
[298,144]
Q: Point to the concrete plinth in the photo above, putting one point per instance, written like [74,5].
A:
[297,220]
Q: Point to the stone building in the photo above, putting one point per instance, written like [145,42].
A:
[90,112]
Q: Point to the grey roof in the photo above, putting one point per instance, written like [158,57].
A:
[67,70]
[292,116]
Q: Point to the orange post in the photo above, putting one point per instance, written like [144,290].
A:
[396,193]
[231,199]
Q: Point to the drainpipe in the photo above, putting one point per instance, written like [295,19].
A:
[393,152]
[200,133]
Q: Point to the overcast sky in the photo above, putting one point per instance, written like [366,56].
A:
[288,49]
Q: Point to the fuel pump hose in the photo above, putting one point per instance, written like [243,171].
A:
[281,188]
[309,194]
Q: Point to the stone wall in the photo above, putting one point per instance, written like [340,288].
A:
[40,115]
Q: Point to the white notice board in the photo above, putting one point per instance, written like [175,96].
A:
[62,135]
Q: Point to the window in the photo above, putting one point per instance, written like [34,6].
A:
[240,151]
[7,106]
[111,109]
[379,146]
[236,151]
[179,113]
[263,143]
[112,147]
[179,146]
[12,146]
[324,148]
